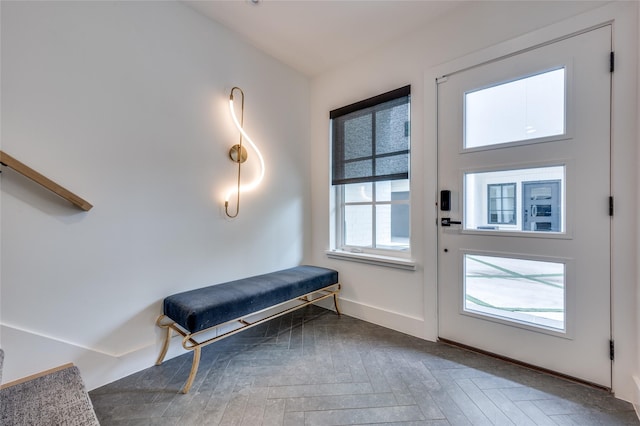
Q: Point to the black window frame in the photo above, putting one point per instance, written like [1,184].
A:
[502,197]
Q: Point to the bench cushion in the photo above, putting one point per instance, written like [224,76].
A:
[199,309]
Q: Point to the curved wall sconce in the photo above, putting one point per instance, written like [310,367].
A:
[238,154]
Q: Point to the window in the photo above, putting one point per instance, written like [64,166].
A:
[528,108]
[370,173]
[502,203]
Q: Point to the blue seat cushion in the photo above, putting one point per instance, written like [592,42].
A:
[199,309]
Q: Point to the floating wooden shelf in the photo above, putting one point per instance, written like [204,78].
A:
[23,169]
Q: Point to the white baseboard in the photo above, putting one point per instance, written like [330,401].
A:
[28,353]
[394,320]
[636,400]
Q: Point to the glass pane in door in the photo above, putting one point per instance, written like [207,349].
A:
[528,108]
[531,292]
[519,200]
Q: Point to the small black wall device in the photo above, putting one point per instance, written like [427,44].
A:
[445,200]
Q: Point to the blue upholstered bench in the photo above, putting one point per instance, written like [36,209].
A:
[194,313]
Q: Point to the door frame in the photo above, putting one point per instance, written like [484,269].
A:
[624,156]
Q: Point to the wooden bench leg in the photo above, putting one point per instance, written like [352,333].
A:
[194,370]
[167,340]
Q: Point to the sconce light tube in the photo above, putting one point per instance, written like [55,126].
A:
[252,185]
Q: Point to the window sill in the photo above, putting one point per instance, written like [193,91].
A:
[373,259]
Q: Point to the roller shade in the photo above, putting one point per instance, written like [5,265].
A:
[370,139]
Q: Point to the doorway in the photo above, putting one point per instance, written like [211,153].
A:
[524,243]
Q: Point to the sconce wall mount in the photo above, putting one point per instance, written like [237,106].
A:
[238,153]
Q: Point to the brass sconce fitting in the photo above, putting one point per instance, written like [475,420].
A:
[238,154]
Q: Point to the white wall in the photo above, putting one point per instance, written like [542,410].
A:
[637,299]
[125,104]
[406,300]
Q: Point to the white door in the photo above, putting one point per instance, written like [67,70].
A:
[528,137]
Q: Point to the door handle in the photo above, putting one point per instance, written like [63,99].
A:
[445,221]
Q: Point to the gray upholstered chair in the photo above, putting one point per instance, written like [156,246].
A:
[53,397]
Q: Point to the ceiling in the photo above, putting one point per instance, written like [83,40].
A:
[313,36]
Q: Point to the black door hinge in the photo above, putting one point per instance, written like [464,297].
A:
[611,350]
[610,206]
[611,61]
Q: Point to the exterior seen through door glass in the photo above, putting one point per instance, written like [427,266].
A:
[528,108]
[530,292]
[520,200]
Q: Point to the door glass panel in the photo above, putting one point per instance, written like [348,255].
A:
[521,200]
[524,291]
[524,109]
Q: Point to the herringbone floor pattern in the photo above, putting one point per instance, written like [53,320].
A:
[312,367]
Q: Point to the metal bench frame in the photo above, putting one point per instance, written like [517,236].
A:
[191,342]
